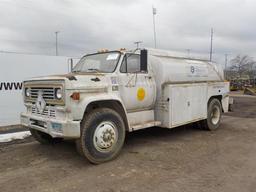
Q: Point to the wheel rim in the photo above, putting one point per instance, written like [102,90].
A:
[215,115]
[105,136]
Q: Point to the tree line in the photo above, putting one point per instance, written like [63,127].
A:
[242,66]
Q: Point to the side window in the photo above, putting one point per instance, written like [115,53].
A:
[130,64]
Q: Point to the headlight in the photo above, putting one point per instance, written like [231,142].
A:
[27,92]
[58,93]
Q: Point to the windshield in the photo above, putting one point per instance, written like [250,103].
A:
[101,62]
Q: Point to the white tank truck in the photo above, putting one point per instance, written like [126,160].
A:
[110,93]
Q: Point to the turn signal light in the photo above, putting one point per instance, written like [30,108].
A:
[75,96]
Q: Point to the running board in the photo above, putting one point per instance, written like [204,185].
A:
[145,125]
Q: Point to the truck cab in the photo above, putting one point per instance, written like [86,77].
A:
[109,93]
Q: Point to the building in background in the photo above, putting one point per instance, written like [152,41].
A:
[16,68]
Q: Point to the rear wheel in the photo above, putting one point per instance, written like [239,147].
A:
[102,135]
[214,113]
[44,138]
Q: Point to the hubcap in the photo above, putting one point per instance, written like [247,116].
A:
[215,115]
[105,136]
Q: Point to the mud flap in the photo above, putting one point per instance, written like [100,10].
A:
[230,104]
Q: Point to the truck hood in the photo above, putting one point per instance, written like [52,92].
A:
[75,81]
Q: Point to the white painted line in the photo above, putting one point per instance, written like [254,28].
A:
[7,137]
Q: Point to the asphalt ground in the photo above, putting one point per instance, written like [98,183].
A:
[156,159]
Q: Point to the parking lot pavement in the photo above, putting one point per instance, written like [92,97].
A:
[155,159]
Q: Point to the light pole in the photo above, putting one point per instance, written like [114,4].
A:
[154,23]
[56,36]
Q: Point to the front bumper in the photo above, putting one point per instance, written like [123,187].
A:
[53,127]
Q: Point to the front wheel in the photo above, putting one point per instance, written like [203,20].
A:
[214,113]
[102,135]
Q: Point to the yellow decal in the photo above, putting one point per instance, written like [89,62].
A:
[141,94]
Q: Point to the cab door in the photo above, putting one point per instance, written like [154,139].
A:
[137,87]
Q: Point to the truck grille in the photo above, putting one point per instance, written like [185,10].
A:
[48,112]
[48,93]
[47,89]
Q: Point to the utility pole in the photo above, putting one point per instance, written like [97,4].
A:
[211,44]
[154,23]
[226,63]
[137,43]
[56,36]
[188,51]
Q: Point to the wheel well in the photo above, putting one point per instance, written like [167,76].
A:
[112,104]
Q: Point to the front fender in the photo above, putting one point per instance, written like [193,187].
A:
[79,107]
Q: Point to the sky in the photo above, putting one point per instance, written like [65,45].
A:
[86,26]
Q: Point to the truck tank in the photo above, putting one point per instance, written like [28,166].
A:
[170,68]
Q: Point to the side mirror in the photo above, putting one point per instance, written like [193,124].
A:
[144,60]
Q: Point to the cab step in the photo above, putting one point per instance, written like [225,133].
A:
[145,125]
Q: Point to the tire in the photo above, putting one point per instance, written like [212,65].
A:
[44,138]
[102,135]
[214,113]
